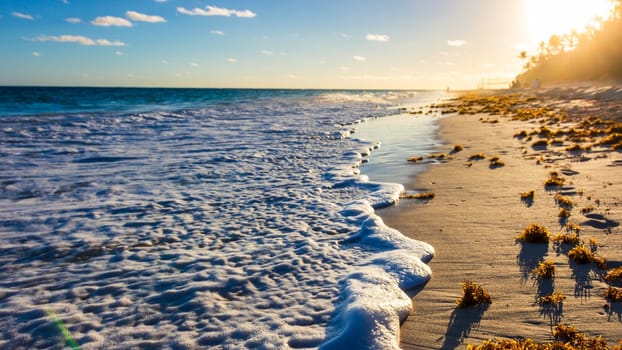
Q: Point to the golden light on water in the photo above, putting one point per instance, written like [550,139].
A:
[548,17]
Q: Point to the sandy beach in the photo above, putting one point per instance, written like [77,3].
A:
[477,212]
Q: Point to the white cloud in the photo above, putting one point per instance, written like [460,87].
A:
[216,11]
[161,0]
[73,20]
[232,60]
[266,52]
[217,32]
[109,21]
[79,39]
[118,53]
[36,53]
[378,37]
[456,43]
[344,68]
[165,62]
[105,42]
[66,2]
[22,16]
[359,58]
[141,17]
[194,64]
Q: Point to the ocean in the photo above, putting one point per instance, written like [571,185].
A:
[206,218]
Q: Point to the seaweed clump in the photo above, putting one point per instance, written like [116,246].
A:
[473,295]
[614,275]
[582,255]
[566,338]
[545,270]
[534,233]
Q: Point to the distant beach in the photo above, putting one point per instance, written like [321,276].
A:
[499,147]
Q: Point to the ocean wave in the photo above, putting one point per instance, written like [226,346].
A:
[234,225]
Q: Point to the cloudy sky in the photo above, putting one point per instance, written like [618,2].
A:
[423,44]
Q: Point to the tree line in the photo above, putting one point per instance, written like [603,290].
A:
[593,54]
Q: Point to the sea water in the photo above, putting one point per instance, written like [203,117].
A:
[198,218]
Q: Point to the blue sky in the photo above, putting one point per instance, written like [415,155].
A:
[263,43]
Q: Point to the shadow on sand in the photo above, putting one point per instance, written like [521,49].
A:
[530,255]
[462,321]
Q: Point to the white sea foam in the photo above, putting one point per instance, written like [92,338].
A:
[238,225]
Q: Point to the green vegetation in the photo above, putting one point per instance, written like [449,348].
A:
[534,233]
[575,56]
[473,295]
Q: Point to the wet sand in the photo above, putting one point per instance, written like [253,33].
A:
[477,212]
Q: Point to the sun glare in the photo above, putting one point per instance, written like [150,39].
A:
[548,17]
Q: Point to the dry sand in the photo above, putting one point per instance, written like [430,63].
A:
[473,221]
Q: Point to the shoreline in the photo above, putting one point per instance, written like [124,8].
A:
[477,212]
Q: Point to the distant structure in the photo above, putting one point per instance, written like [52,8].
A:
[494,83]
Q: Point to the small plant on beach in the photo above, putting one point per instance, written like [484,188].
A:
[614,294]
[540,144]
[593,243]
[521,135]
[534,233]
[554,298]
[420,196]
[457,148]
[563,201]
[612,140]
[564,213]
[472,295]
[554,179]
[582,255]
[495,162]
[528,196]
[545,270]
[588,209]
[565,338]
[565,333]
[477,156]
[571,226]
[415,159]
[567,238]
[614,275]
[578,148]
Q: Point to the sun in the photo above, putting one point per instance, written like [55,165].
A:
[548,17]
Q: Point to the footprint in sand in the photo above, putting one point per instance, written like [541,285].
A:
[600,222]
